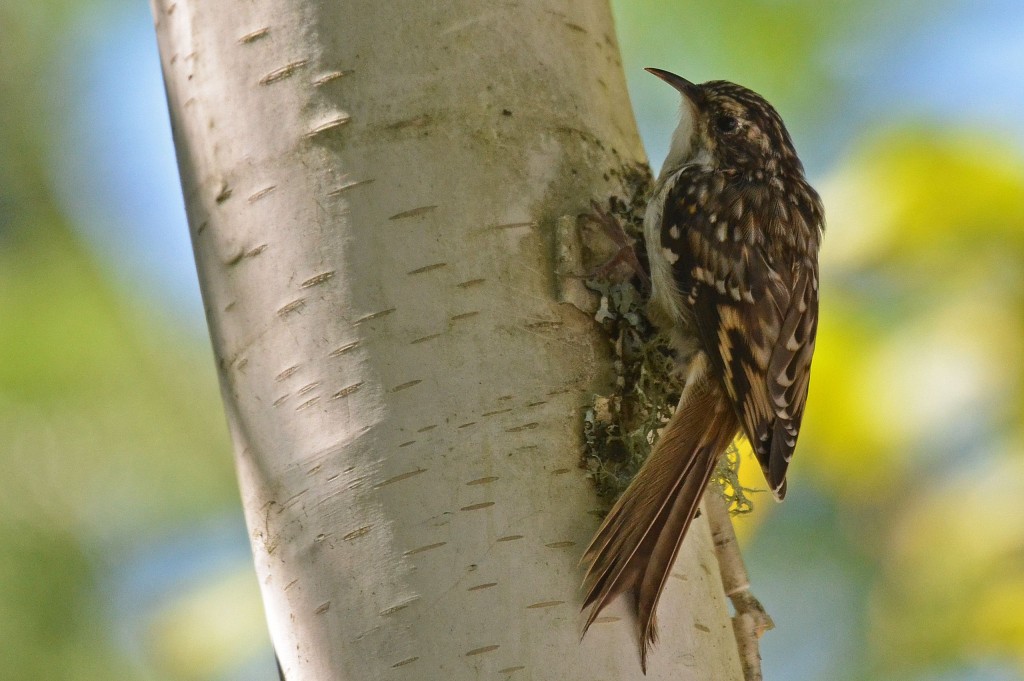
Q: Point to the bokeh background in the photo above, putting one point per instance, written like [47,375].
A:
[900,551]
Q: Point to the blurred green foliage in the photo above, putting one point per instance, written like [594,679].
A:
[112,433]
[929,453]
[910,467]
[111,427]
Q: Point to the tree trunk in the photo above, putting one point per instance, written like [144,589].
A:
[373,191]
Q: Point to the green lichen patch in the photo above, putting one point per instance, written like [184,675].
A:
[620,427]
[727,482]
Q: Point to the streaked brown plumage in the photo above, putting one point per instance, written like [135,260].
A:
[732,236]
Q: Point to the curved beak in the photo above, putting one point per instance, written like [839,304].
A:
[685,87]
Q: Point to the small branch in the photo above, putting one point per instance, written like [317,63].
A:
[750,621]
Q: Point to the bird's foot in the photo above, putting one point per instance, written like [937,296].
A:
[624,259]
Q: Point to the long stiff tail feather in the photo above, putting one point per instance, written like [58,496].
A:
[635,547]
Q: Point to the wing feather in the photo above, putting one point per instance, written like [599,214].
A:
[752,301]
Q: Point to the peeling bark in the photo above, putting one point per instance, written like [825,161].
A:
[374,192]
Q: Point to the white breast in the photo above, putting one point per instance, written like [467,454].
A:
[664,294]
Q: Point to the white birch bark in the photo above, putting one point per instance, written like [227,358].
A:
[372,190]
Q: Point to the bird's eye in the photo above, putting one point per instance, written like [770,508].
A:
[725,123]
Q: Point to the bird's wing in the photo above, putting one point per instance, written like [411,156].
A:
[754,306]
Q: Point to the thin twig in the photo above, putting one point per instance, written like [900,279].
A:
[750,621]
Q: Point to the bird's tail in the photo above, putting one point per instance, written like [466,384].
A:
[636,545]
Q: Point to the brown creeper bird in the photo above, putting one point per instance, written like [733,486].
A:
[732,233]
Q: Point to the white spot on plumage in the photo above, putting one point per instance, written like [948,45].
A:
[721,231]
[670,256]
[673,231]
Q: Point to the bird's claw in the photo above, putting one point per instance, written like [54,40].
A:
[626,252]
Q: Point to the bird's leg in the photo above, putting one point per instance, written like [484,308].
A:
[626,253]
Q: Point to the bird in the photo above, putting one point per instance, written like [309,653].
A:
[732,232]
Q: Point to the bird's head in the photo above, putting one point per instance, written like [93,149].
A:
[728,127]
